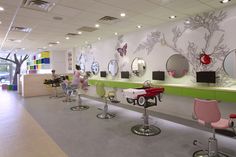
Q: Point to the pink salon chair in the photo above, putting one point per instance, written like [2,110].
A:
[207,113]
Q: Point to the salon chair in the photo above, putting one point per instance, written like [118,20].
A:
[54,84]
[106,96]
[68,91]
[145,97]
[207,113]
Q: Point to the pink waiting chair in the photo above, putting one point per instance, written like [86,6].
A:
[207,113]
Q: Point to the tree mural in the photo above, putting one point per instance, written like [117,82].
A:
[18,62]
[213,42]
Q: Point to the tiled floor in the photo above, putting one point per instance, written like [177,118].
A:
[81,134]
[20,135]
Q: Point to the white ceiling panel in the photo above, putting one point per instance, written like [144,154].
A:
[78,13]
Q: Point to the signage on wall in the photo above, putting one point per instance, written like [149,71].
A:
[70,60]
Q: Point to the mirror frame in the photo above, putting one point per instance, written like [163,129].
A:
[133,63]
[223,64]
[115,61]
[186,62]
[96,63]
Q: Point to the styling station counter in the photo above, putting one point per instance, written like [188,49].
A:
[177,101]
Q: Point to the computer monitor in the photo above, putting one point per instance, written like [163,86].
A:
[103,74]
[125,74]
[158,75]
[206,76]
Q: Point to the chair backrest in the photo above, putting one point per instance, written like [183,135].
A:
[207,110]
[100,89]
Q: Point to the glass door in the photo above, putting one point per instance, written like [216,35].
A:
[5,73]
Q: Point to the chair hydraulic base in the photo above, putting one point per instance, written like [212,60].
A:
[145,129]
[204,153]
[79,108]
[105,114]
[212,148]
[142,130]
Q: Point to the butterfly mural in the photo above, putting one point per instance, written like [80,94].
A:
[122,51]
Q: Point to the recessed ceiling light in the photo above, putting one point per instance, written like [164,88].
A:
[0,22]
[50,45]
[172,17]
[23,48]
[86,42]
[1,8]
[122,14]
[139,26]
[116,33]
[99,38]
[44,47]
[67,38]
[15,40]
[97,25]
[79,32]
[58,42]
[187,21]
[224,1]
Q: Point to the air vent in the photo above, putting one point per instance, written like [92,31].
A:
[52,43]
[108,20]
[39,5]
[14,40]
[87,29]
[72,34]
[21,29]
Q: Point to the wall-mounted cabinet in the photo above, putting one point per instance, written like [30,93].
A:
[40,61]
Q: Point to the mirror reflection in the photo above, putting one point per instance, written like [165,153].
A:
[138,66]
[95,68]
[229,64]
[113,67]
[177,66]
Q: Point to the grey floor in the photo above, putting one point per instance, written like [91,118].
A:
[81,134]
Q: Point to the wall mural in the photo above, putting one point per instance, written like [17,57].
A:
[121,57]
[86,57]
[202,57]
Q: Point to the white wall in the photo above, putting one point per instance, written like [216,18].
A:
[104,51]
[58,61]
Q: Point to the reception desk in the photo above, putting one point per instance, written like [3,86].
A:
[32,85]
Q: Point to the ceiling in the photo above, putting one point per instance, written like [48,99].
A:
[79,13]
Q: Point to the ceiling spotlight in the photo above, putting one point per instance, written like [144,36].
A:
[224,1]
[97,25]
[116,33]
[139,26]
[122,14]
[187,22]
[58,42]
[172,17]
[99,38]
[79,32]
[1,8]
[67,38]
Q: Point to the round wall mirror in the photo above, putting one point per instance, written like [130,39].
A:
[95,68]
[229,64]
[177,66]
[138,66]
[82,66]
[113,67]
